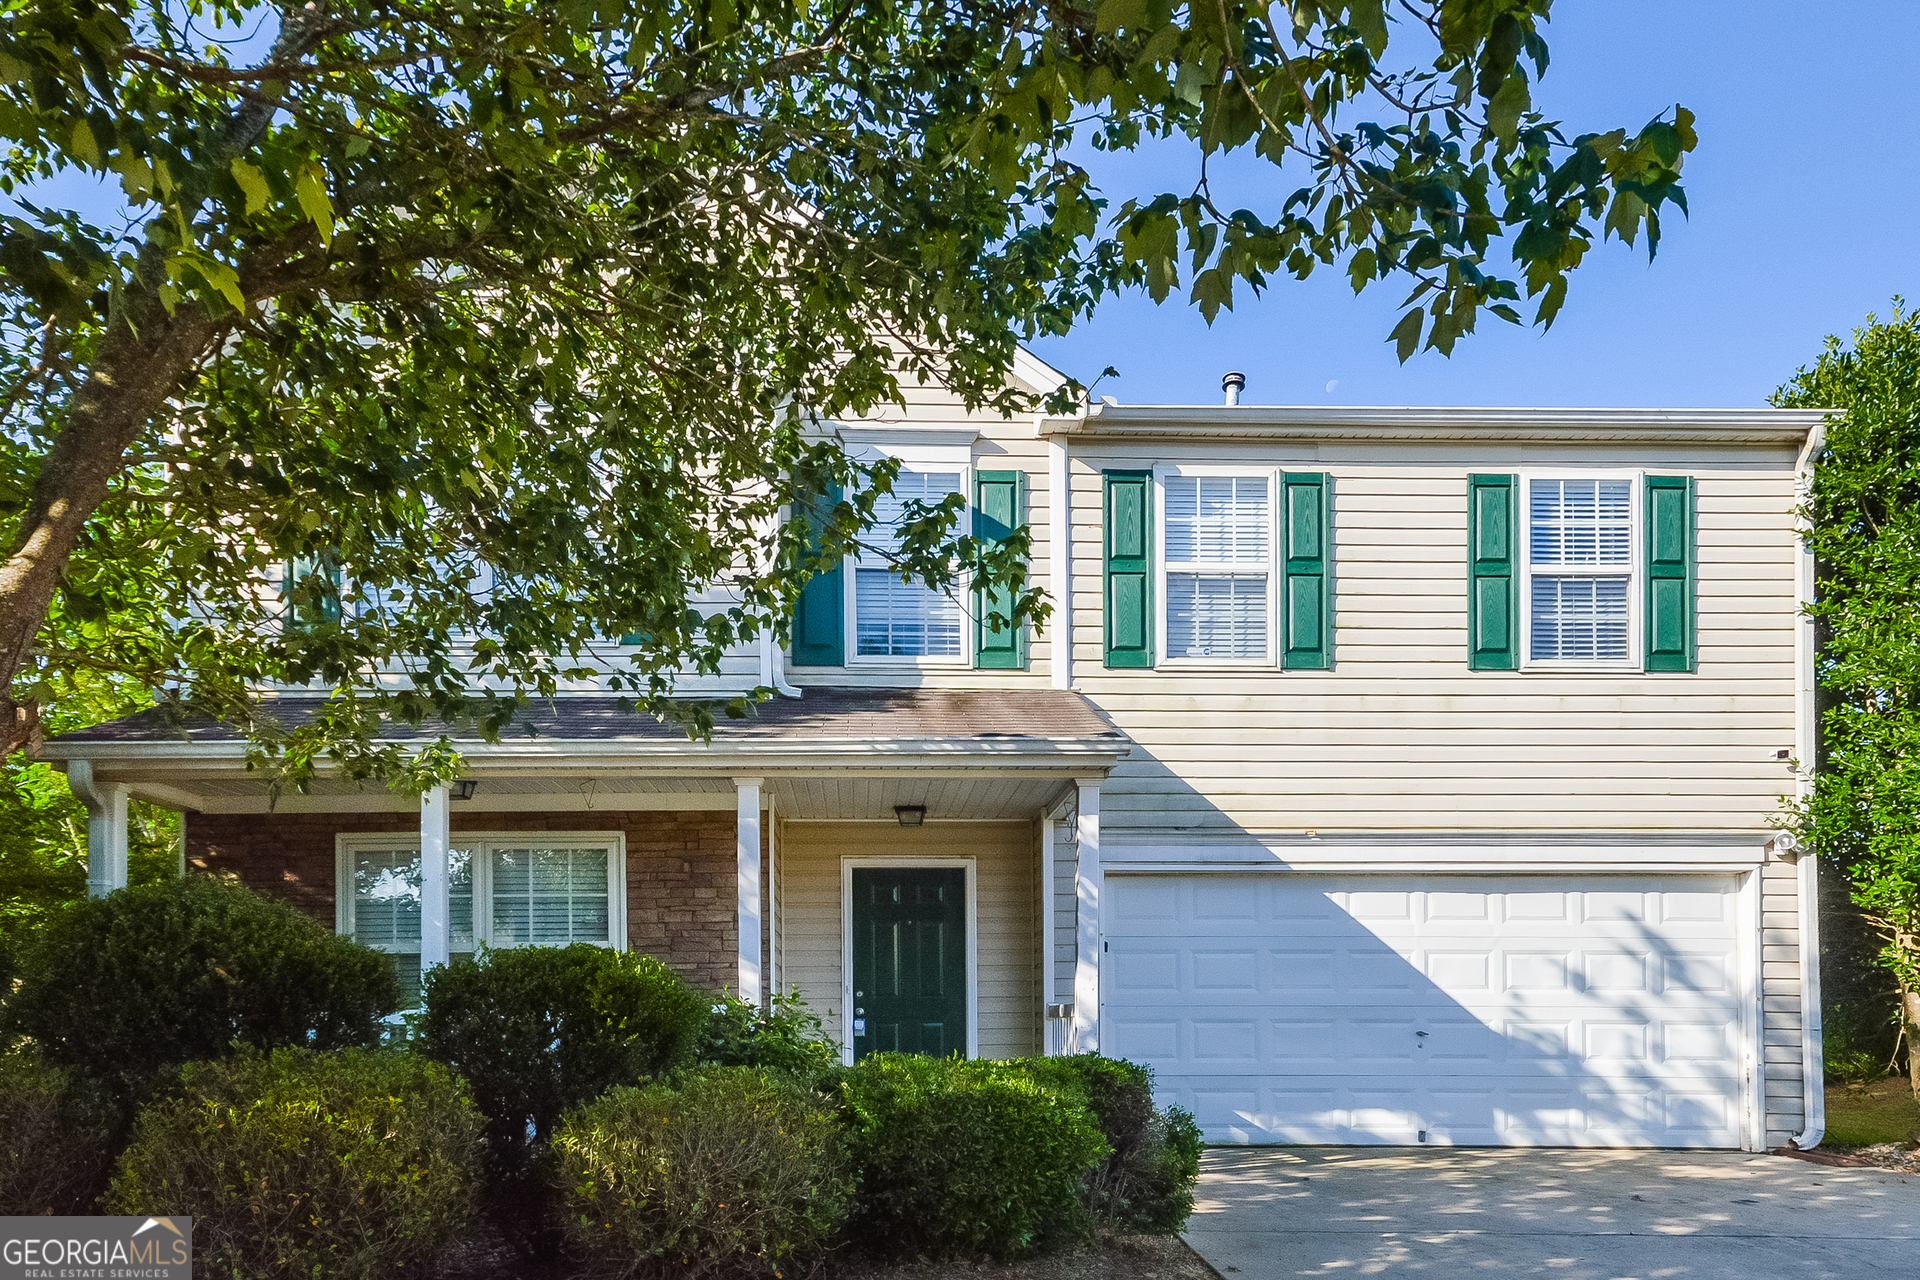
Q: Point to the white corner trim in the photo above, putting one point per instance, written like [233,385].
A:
[847,865]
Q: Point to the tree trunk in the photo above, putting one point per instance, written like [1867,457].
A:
[1910,1014]
[133,374]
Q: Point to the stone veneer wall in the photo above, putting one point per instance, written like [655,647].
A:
[680,869]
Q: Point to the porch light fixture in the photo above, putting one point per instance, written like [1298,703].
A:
[464,788]
[911,815]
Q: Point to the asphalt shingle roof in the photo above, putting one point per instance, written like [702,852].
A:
[824,713]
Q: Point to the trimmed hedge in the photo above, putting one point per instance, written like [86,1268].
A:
[967,1157]
[356,1164]
[56,1151]
[536,1031]
[730,1170]
[129,987]
[1146,1180]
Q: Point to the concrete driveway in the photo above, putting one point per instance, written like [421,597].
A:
[1262,1213]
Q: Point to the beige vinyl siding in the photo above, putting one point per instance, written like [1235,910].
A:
[1007,888]
[1781,1016]
[1400,736]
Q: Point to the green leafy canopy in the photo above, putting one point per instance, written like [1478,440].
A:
[515,323]
[1863,513]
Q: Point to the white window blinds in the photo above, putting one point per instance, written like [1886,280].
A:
[895,619]
[547,892]
[1580,553]
[1219,542]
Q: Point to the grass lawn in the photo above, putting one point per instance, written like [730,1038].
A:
[1864,1116]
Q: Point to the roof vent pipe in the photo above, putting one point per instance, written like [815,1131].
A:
[1233,384]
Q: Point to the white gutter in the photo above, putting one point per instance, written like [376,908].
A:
[1806,723]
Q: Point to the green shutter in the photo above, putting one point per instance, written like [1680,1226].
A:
[325,610]
[819,627]
[1493,613]
[1129,557]
[1669,604]
[1305,609]
[997,511]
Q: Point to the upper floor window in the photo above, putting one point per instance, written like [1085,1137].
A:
[1219,550]
[1581,568]
[895,619]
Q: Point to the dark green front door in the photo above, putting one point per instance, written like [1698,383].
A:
[909,960]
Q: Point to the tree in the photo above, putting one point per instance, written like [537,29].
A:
[1863,816]
[515,318]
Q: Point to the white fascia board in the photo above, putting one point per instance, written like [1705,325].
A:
[1036,374]
[1312,423]
[548,754]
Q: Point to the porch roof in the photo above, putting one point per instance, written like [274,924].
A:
[824,713]
[830,753]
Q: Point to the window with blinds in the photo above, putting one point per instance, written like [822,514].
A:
[503,892]
[895,619]
[1580,562]
[1219,548]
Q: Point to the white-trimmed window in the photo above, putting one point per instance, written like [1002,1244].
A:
[1217,567]
[505,890]
[892,619]
[1579,598]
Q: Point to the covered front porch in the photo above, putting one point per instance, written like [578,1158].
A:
[943,845]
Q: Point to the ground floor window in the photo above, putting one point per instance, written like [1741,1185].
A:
[504,891]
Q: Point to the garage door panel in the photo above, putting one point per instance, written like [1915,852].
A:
[1304,1009]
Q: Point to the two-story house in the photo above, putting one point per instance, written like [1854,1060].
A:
[1383,776]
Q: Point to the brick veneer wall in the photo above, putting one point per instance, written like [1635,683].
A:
[680,869]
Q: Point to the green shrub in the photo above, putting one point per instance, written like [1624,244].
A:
[962,1158]
[360,1163]
[729,1170]
[56,1153]
[786,1037]
[129,987]
[536,1031]
[1146,1180]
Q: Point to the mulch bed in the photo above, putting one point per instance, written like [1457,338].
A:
[1113,1257]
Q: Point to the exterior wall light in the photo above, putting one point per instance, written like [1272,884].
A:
[464,788]
[911,815]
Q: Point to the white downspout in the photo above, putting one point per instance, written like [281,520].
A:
[1807,745]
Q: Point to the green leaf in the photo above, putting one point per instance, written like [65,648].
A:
[83,148]
[253,185]
[1504,111]
[310,189]
[1406,334]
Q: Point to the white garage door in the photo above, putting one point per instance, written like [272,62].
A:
[1463,1010]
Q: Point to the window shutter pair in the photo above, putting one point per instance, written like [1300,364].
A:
[1493,603]
[1305,615]
[819,624]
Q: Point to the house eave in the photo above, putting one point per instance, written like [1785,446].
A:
[1314,423]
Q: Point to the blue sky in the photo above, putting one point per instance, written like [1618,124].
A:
[1803,207]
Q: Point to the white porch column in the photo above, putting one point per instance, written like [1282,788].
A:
[1089,935]
[106,828]
[747,885]
[436,875]
[1060,561]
